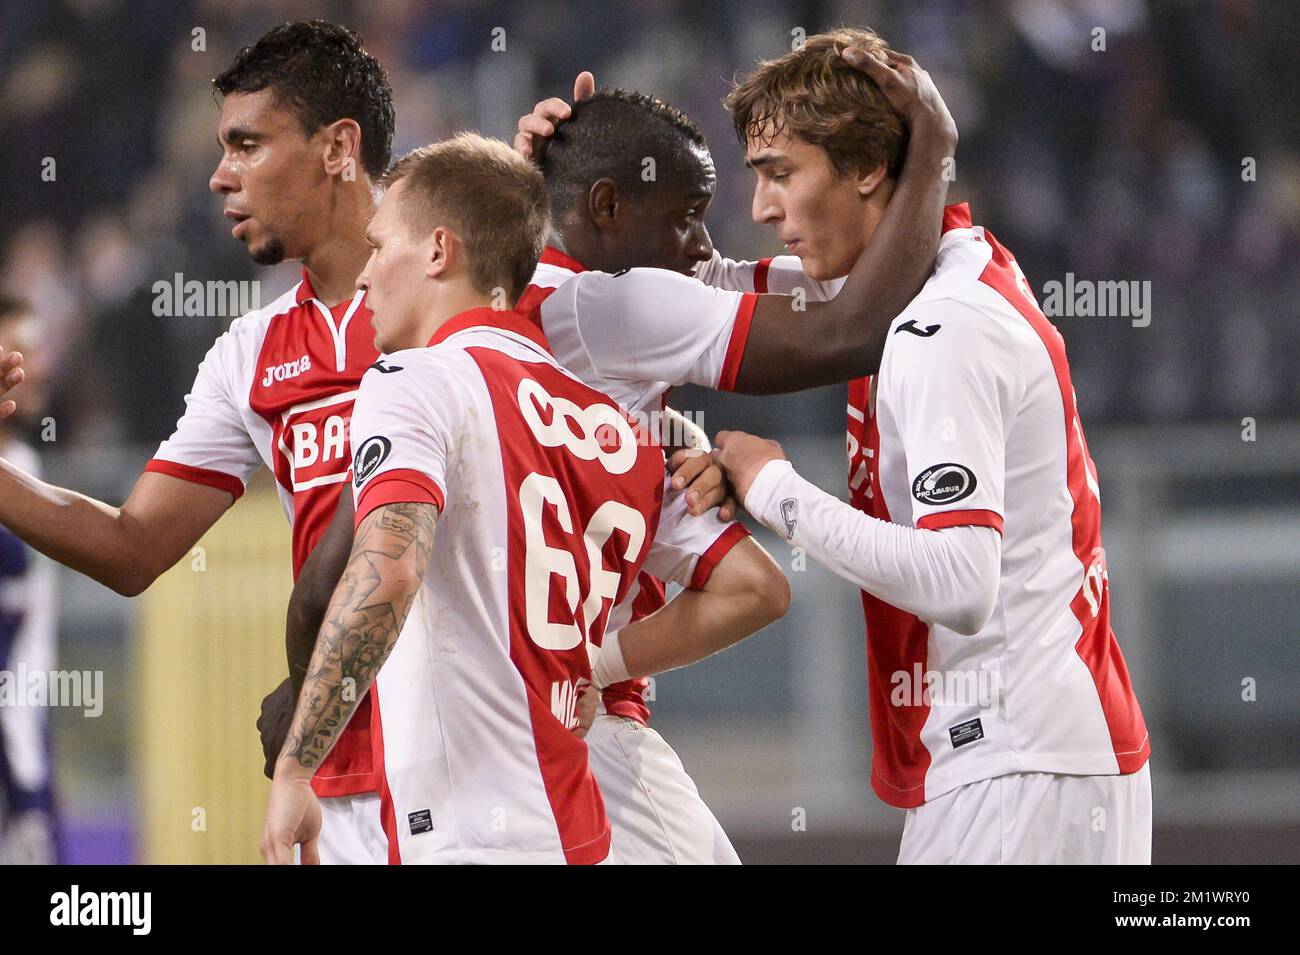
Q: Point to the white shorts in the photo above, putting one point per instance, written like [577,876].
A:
[655,811]
[1034,819]
[351,831]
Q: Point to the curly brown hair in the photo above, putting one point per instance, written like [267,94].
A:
[814,96]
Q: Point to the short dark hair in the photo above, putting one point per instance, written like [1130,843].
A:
[608,136]
[320,71]
[491,196]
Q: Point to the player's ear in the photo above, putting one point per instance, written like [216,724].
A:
[343,149]
[869,180]
[602,204]
[441,252]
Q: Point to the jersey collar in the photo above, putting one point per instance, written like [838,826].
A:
[305,292]
[553,256]
[484,317]
[956,216]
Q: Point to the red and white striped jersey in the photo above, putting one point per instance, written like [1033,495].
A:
[277,390]
[550,502]
[634,336]
[973,420]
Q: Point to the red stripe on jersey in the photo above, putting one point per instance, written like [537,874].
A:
[585,486]
[760,275]
[530,303]
[218,479]
[739,338]
[935,522]
[719,549]
[387,813]
[553,256]
[1096,646]
[897,641]
[401,486]
[956,216]
[510,320]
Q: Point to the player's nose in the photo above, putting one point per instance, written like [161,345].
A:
[701,246]
[764,210]
[223,179]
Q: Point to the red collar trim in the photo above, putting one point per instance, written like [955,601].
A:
[305,291]
[553,256]
[484,317]
[956,216]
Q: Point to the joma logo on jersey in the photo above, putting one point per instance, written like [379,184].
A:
[314,441]
[287,370]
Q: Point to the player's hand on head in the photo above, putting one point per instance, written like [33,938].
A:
[539,125]
[273,724]
[293,817]
[11,376]
[741,456]
[705,483]
[908,88]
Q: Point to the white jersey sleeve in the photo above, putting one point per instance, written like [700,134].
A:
[781,275]
[948,576]
[402,427]
[211,444]
[687,548]
[950,387]
[651,325]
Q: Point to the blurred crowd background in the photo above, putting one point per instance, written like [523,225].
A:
[1118,164]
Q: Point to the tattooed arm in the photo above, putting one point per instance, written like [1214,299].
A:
[390,554]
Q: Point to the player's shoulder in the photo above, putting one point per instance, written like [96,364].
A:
[241,343]
[956,311]
[256,321]
[415,369]
[946,335]
[650,285]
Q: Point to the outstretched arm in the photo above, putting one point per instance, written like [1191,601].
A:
[388,561]
[947,576]
[125,548]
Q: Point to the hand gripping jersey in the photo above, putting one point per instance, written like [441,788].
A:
[549,504]
[972,421]
[277,389]
[633,336]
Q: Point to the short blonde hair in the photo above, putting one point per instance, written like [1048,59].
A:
[814,96]
[489,195]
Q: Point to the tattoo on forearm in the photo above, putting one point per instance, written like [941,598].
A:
[390,555]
